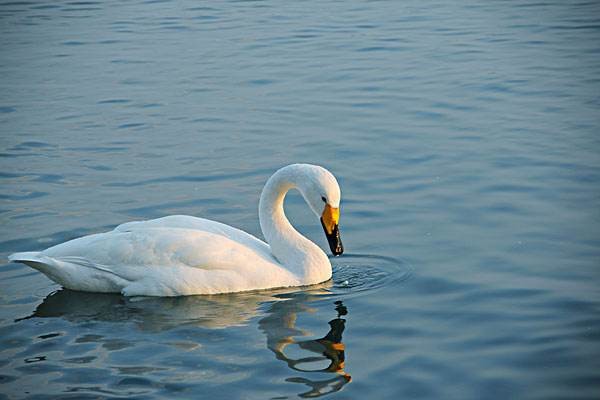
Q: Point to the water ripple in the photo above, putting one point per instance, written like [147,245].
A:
[358,274]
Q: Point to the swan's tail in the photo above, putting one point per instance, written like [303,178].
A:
[50,267]
[73,272]
[31,258]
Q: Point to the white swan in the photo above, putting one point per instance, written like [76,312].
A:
[182,255]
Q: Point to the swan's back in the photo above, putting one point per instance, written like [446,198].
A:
[200,224]
[169,256]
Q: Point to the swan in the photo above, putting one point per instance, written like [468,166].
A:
[182,255]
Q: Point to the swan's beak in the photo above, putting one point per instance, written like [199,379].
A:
[329,220]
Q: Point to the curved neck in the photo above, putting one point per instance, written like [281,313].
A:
[287,244]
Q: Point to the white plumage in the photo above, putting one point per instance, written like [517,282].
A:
[183,255]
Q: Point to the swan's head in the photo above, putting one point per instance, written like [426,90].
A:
[322,193]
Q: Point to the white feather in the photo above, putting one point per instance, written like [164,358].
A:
[183,255]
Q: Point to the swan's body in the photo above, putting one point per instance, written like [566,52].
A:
[183,255]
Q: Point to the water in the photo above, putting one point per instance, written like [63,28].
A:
[464,136]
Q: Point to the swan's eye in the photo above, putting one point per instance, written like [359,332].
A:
[324,199]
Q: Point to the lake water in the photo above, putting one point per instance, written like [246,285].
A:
[465,137]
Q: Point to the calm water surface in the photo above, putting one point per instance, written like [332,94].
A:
[465,136]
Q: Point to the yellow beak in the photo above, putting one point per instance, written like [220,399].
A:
[330,219]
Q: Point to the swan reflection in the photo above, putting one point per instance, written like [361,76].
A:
[280,328]
[154,314]
[322,358]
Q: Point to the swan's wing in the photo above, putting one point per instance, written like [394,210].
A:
[199,224]
[162,262]
[160,247]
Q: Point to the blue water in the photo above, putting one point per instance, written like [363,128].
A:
[465,137]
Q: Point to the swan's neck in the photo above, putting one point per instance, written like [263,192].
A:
[292,249]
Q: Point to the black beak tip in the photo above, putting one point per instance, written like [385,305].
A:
[334,240]
[337,251]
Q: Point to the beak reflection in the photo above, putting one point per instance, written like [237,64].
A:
[329,349]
